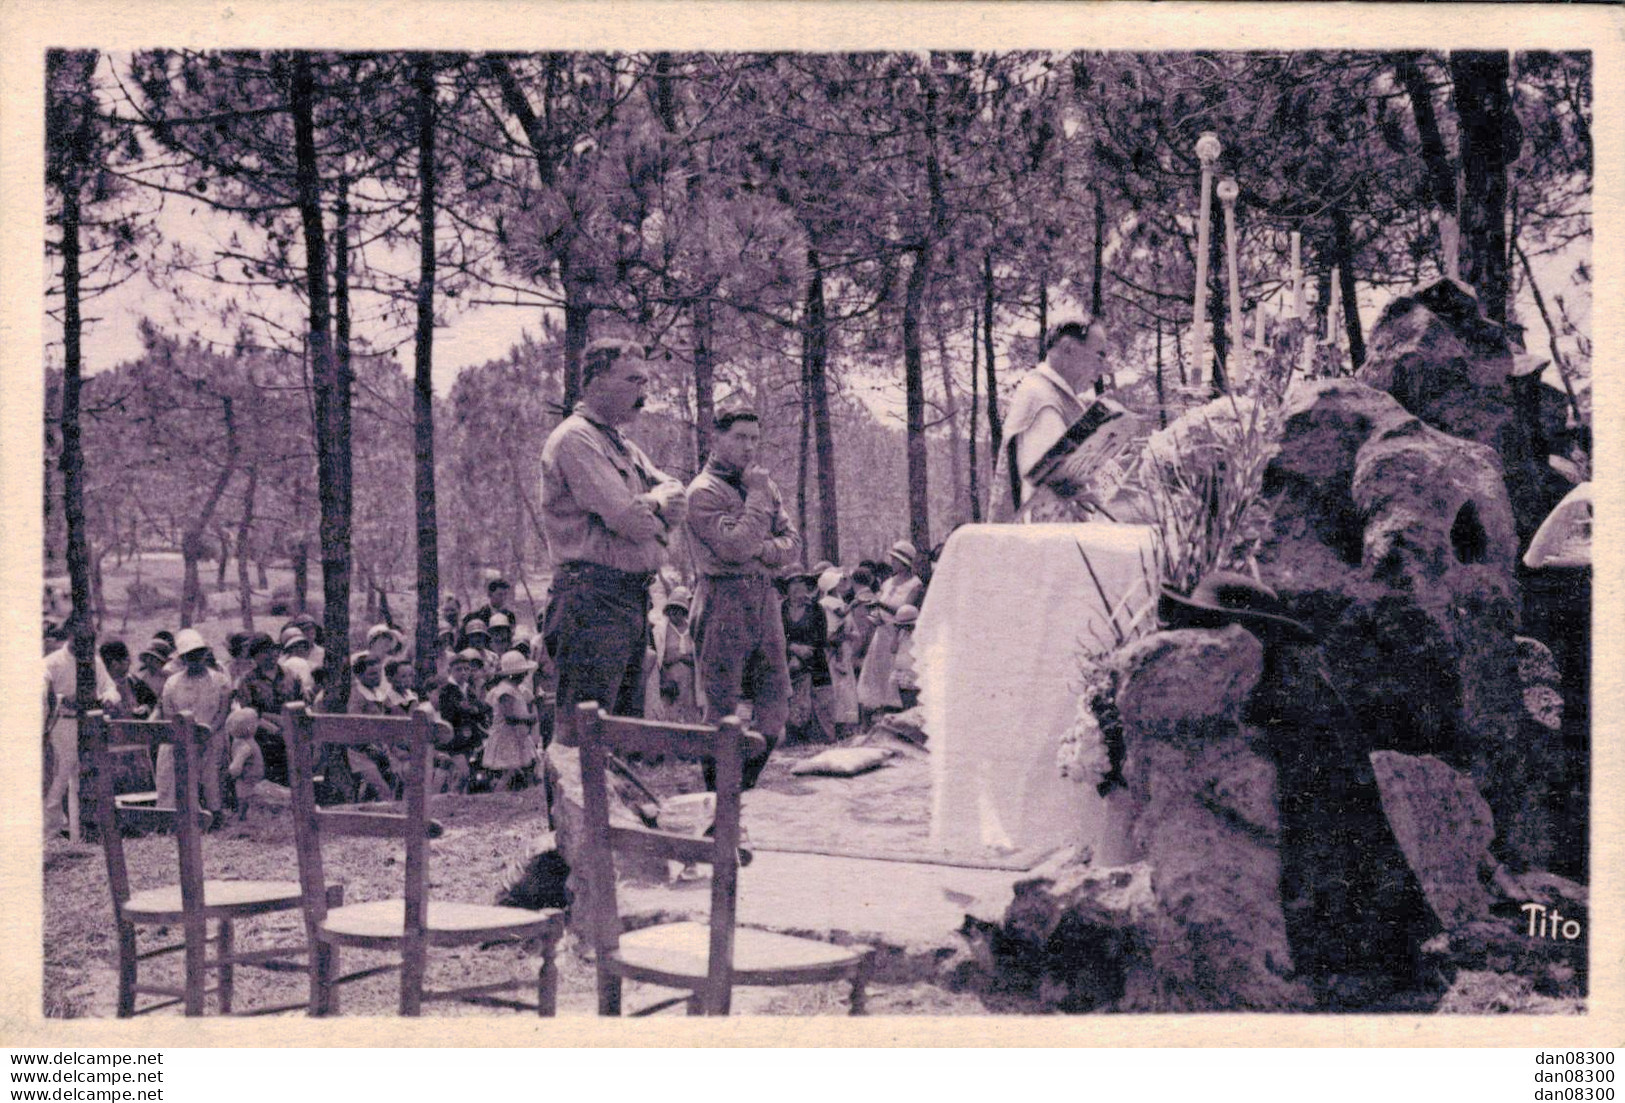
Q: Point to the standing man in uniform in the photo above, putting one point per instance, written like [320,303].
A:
[607,511]
[740,537]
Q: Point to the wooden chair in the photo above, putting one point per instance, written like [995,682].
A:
[705,959]
[409,924]
[192,902]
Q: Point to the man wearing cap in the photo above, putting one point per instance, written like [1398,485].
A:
[606,511]
[903,588]
[740,536]
[205,693]
[150,665]
[1046,402]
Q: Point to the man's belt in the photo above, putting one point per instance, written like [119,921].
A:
[615,574]
[739,576]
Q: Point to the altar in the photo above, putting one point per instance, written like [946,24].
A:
[997,647]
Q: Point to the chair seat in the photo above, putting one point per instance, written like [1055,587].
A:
[681,950]
[449,924]
[221,900]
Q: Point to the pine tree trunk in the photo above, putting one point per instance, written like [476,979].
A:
[995,425]
[428,548]
[1490,138]
[1162,396]
[919,498]
[301,577]
[1435,158]
[333,444]
[817,338]
[705,410]
[245,592]
[803,448]
[975,412]
[1343,236]
[1100,253]
[70,182]
[956,473]
[193,540]
[577,315]
[1217,302]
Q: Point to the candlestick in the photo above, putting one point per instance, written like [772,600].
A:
[1207,151]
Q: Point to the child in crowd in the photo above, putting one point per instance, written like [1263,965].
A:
[510,749]
[460,706]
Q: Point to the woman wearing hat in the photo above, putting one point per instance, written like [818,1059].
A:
[510,749]
[671,686]
[836,597]
[296,660]
[806,634]
[904,587]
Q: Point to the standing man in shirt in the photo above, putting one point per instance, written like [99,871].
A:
[205,693]
[62,679]
[741,536]
[607,511]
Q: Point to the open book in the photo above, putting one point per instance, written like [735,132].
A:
[1097,441]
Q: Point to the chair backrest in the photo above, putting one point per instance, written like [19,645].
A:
[110,742]
[308,735]
[727,745]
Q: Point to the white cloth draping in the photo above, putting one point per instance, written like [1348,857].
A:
[997,649]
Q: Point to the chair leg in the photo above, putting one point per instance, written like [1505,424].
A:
[547,982]
[227,946]
[324,966]
[197,966]
[414,962]
[126,970]
[860,995]
[609,992]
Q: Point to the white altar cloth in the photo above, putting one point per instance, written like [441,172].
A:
[997,648]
